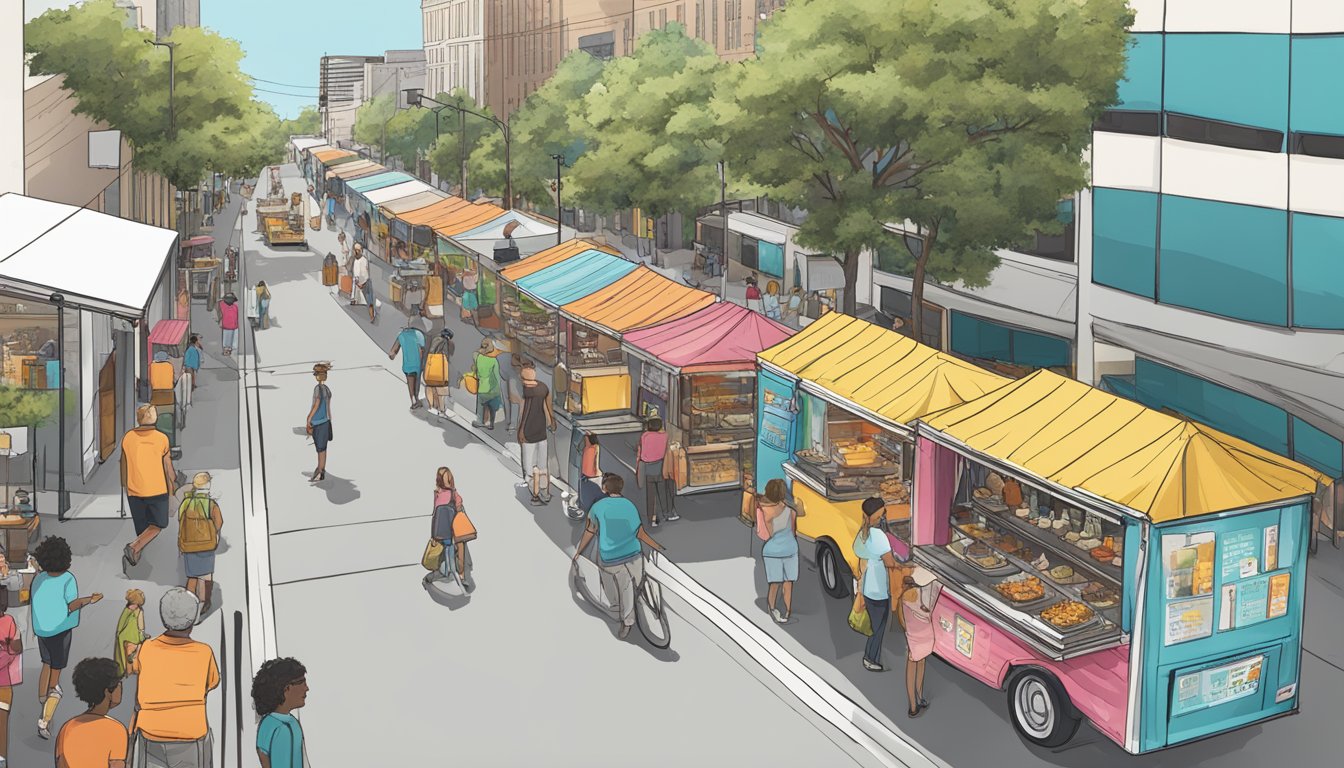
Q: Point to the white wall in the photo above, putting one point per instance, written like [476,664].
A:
[11,96]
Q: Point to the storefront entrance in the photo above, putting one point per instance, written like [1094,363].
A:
[107,408]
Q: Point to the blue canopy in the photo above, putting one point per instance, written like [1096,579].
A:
[378,181]
[578,276]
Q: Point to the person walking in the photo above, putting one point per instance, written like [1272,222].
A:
[177,673]
[94,739]
[795,306]
[263,305]
[130,634]
[411,343]
[54,607]
[590,472]
[780,553]
[511,387]
[319,419]
[198,523]
[344,247]
[440,397]
[191,363]
[770,301]
[279,688]
[148,478]
[652,472]
[359,275]
[614,520]
[919,595]
[876,561]
[534,426]
[11,667]
[471,280]
[228,321]
[485,366]
[446,529]
[753,295]
[314,212]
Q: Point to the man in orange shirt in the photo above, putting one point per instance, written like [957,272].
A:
[176,674]
[148,476]
[94,739]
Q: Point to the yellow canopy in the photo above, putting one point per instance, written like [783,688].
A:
[1160,466]
[879,370]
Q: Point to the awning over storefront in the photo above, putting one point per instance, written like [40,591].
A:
[413,203]
[355,170]
[1161,467]
[759,227]
[721,337]
[572,279]
[331,154]
[879,371]
[397,191]
[378,181]
[467,217]
[550,257]
[640,299]
[426,216]
[347,160]
[98,262]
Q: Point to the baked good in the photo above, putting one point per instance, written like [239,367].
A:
[1061,573]
[1118,562]
[1101,595]
[1073,537]
[994,482]
[982,493]
[1021,590]
[1009,544]
[1060,527]
[1041,564]
[1012,493]
[1067,613]
[978,549]
[1102,554]
[1022,513]
[976,531]
[1044,522]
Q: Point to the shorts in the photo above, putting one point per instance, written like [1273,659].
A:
[198,564]
[534,457]
[321,436]
[147,511]
[55,650]
[367,290]
[779,569]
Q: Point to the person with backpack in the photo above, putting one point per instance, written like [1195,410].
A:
[777,526]
[438,375]
[198,524]
[411,344]
[451,528]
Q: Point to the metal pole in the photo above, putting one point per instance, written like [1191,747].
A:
[508,167]
[462,147]
[723,206]
[172,86]
[62,497]
[559,209]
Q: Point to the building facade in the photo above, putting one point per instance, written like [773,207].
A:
[522,44]
[171,14]
[397,71]
[340,92]
[454,46]
[11,96]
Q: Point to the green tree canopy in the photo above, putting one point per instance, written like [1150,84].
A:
[445,156]
[968,118]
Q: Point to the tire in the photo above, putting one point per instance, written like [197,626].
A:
[581,586]
[1040,709]
[651,614]
[832,570]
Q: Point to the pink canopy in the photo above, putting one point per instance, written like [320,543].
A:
[721,337]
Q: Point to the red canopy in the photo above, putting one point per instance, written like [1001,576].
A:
[720,337]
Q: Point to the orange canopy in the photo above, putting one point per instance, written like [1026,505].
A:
[641,298]
[428,215]
[467,218]
[332,154]
[551,256]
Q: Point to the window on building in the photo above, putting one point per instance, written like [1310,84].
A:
[1230,260]
[714,22]
[1232,78]
[1124,240]
[1318,271]
[897,304]
[750,252]
[1141,88]
[700,19]
[1315,448]
[1317,90]
[980,339]
[1222,134]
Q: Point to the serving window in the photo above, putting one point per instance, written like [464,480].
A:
[849,456]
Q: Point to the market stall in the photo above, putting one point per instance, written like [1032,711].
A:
[698,373]
[530,324]
[1142,571]
[834,405]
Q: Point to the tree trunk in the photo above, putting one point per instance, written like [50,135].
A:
[917,284]
[851,268]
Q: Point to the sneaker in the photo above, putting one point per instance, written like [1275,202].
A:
[624,633]
[779,617]
[871,667]
[653,523]
[42,729]
[672,518]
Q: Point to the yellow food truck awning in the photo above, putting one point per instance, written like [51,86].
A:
[1163,467]
[879,370]
[641,298]
[550,257]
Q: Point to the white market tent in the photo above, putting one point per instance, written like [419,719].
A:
[531,236]
[98,262]
[307,142]
[396,192]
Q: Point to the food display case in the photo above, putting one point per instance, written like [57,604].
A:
[848,457]
[598,379]
[717,422]
[532,325]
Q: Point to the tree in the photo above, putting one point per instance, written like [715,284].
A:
[865,113]
[372,120]
[26,407]
[445,156]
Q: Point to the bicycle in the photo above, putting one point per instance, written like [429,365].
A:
[650,611]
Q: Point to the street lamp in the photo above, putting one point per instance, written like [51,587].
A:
[172,117]
[559,209]
[723,206]
[414,97]
[62,496]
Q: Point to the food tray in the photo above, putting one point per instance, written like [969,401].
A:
[1076,578]
[1044,601]
[1103,605]
[1007,569]
[1076,627]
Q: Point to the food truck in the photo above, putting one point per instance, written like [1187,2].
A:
[1107,562]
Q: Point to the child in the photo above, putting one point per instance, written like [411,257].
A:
[191,363]
[94,738]
[130,633]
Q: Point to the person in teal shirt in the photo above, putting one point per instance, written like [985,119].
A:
[486,368]
[873,550]
[55,611]
[280,687]
[615,522]
[191,362]
[411,343]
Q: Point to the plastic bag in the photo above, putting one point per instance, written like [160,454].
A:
[859,620]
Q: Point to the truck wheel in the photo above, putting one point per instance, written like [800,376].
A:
[833,571]
[1040,709]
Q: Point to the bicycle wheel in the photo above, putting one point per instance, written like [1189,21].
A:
[651,614]
[582,585]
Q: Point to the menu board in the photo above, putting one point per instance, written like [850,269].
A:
[965,637]
[1252,601]
[1241,554]
[1189,620]
[1278,594]
[1212,687]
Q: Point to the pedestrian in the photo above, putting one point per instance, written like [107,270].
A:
[590,472]
[770,301]
[170,729]
[149,478]
[873,550]
[198,523]
[412,344]
[436,381]
[94,739]
[228,321]
[11,667]
[753,295]
[359,274]
[795,306]
[345,251]
[485,367]
[54,607]
[331,210]
[511,383]
[280,687]
[314,212]
[191,363]
[446,529]
[534,425]
[652,472]
[263,305]
[780,553]
[319,419]
[276,188]
[470,299]
[614,520]
[130,634]
[919,594]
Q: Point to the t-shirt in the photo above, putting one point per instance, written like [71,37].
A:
[323,394]
[412,341]
[91,741]
[487,374]
[753,292]
[652,447]
[51,599]
[876,583]
[617,528]
[143,450]
[280,737]
[589,463]
[11,664]
[176,673]
[228,315]
[359,270]
[534,412]
[192,358]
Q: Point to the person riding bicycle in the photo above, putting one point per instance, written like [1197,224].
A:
[615,522]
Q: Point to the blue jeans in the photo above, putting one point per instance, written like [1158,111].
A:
[878,612]
[449,561]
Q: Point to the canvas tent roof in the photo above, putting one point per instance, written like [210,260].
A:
[639,299]
[721,337]
[396,192]
[577,276]
[550,257]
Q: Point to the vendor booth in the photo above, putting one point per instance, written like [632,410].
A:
[698,373]
[530,323]
[475,289]
[834,407]
[1105,561]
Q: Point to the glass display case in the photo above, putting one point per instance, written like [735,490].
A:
[532,325]
[717,418]
[848,457]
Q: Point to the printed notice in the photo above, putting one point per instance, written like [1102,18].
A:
[1252,601]
[1219,685]
[1271,548]
[1240,554]
[965,637]
[1189,620]
[1278,594]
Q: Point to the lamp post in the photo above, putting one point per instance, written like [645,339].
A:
[559,209]
[62,496]
[172,117]
[415,97]
[723,206]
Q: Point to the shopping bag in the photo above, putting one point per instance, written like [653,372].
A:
[859,620]
[471,383]
[433,555]
[463,530]
[315,222]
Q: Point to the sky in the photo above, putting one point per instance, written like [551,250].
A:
[283,40]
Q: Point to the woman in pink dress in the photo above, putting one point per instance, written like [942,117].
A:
[228,321]
[917,601]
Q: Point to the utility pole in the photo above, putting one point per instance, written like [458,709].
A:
[559,209]
[723,206]
[462,148]
[172,116]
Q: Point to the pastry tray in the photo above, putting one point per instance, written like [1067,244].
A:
[1007,569]
[1076,628]
[1029,606]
